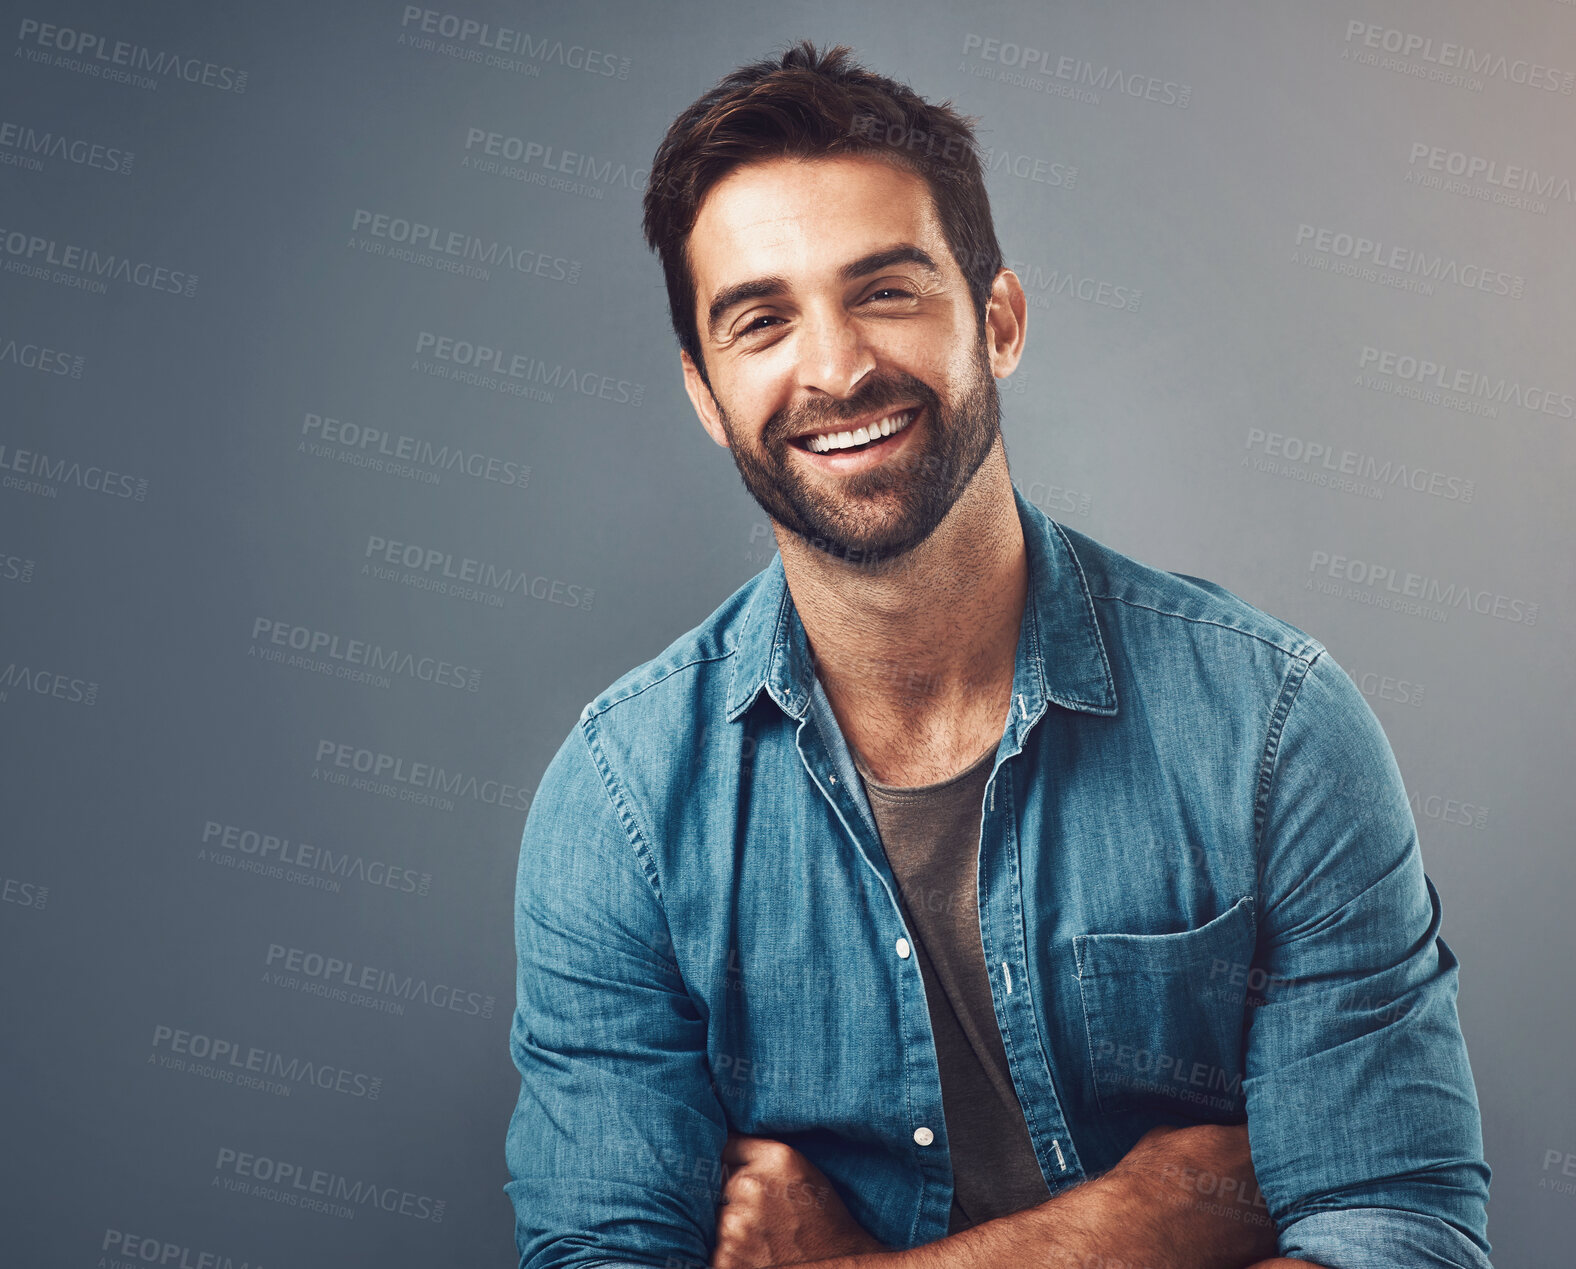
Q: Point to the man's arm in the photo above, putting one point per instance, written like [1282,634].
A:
[1361,1107]
[614,1143]
[1180,1199]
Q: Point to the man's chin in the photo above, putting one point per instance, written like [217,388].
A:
[861,547]
[865,518]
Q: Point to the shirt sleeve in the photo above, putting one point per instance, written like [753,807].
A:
[1362,1114]
[615,1141]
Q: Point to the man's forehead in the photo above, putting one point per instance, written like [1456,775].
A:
[806,214]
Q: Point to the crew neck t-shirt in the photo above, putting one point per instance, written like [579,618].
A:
[931,837]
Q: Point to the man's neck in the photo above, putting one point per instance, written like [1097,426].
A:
[917,656]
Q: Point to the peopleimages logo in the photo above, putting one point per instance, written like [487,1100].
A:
[27,147]
[16,568]
[121,60]
[1425,374]
[1041,283]
[127,1249]
[230,1061]
[1565,1161]
[303,863]
[1057,500]
[502,47]
[376,765]
[484,149]
[50,473]
[301,1186]
[1447,810]
[356,659]
[1387,687]
[1451,63]
[399,455]
[1416,593]
[1491,180]
[1065,76]
[1034,168]
[1373,260]
[34,356]
[951,150]
[33,256]
[335,977]
[34,681]
[25,894]
[470,362]
[431,568]
[1379,474]
[453,250]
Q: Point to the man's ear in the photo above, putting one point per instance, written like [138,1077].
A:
[1006,323]
[700,397]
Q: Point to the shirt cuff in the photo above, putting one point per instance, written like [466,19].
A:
[1380,1238]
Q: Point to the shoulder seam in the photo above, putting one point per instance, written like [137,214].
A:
[1269,764]
[663,677]
[1298,653]
[625,813]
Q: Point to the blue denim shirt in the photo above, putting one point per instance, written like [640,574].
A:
[1200,899]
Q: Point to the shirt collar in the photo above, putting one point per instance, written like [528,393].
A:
[1061,656]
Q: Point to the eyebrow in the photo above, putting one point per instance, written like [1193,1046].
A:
[763,288]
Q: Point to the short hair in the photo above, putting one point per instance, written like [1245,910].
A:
[809,104]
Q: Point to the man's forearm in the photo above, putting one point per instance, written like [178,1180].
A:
[1150,1212]
[1075,1230]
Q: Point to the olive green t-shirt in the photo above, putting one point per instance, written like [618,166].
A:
[931,837]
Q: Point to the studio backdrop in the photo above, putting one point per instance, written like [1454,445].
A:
[344,457]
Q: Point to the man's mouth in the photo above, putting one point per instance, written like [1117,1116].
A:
[858,438]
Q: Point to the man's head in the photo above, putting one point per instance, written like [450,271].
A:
[831,262]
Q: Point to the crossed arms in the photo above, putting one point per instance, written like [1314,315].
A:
[1180,1199]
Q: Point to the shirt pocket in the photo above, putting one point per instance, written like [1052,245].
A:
[1165,1017]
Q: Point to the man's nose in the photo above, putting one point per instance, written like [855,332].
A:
[833,355]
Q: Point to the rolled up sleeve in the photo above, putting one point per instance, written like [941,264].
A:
[1381,1238]
[614,1142]
[1362,1114]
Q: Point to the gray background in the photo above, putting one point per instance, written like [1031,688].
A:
[153,733]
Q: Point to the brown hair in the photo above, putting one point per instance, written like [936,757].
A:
[811,104]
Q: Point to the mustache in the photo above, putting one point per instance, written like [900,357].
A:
[784,426]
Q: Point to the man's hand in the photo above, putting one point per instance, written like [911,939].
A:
[780,1209]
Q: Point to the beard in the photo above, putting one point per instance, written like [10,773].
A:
[883,512]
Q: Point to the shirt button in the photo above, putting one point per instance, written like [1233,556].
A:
[924,1136]
[902,950]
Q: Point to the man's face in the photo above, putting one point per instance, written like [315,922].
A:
[837,302]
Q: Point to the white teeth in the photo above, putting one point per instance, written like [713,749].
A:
[859,436]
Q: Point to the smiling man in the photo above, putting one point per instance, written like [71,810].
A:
[961,892]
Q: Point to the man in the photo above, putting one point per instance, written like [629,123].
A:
[953,894]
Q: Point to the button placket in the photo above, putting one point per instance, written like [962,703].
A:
[1002,921]
[823,753]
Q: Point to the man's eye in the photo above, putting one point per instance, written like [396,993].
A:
[751,327]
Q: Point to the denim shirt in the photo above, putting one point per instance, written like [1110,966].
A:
[1200,900]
